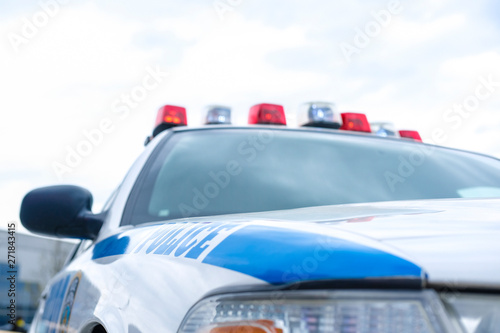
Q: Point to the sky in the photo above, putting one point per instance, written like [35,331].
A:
[89,76]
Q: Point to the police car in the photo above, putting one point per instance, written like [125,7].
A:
[270,229]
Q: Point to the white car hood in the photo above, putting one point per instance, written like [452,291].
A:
[158,271]
[455,241]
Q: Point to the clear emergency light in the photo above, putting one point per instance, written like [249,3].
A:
[218,114]
[320,114]
[384,129]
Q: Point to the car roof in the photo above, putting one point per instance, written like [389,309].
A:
[310,129]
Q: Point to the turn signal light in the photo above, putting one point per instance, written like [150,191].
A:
[255,326]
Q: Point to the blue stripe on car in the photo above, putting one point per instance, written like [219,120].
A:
[279,255]
[273,254]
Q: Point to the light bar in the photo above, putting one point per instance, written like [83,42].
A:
[271,114]
[410,135]
[319,114]
[218,114]
[384,129]
[355,122]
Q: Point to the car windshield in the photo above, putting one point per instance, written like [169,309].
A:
[226,171]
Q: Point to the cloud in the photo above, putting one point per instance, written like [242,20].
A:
[65,80]
[472,66]
[415,33]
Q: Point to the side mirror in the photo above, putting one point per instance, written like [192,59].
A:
[60,211]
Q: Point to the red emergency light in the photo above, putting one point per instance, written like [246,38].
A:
[169,116]
[355,122]
[410,135]
[271,114]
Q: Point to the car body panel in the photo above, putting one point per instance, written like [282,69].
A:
[181,261]
[159,271]
[145,278]
[453,240]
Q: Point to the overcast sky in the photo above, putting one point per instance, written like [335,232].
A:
[68,66]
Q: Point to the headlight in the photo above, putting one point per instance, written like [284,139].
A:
[475,313]
[319,311]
